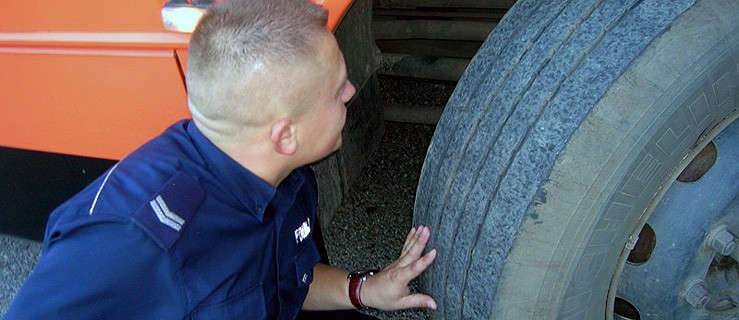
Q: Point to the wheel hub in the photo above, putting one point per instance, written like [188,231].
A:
[684,264]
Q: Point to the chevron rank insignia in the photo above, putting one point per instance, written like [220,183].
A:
[164,216]
[169,218]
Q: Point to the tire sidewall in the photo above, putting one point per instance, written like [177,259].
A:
[628,149]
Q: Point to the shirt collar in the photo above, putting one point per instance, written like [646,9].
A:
[233,176]
[288,190]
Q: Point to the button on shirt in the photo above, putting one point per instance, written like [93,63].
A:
[176,230]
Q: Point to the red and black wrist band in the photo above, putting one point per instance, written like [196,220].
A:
[356,279]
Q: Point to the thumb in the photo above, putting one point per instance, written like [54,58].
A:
[417,300]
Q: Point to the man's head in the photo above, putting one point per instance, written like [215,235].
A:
[242,51]
[258,65]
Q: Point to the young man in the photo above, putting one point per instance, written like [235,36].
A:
[213,219]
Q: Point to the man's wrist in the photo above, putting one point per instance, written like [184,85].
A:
[356,281]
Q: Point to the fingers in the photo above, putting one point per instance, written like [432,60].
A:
[390,289]
[414,246]
[417,267]
[408,240]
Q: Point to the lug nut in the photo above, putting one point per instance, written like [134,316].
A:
[722,241]
[696,294]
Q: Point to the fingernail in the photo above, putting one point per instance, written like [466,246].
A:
[430,257]
[432,305]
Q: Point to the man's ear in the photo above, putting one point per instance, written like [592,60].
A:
[283,138]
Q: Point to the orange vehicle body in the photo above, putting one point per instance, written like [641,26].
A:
[93,78]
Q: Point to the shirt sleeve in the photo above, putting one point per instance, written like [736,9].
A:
[101,271]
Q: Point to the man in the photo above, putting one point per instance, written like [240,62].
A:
[213,219]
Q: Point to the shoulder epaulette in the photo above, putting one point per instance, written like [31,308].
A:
[170,209]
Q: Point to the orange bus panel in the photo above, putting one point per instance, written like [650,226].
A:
[92,78]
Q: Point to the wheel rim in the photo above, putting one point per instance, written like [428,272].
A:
[684,263]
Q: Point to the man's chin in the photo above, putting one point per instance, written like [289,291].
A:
[333,150]
[338,144]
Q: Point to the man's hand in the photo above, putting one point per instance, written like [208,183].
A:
[388,289]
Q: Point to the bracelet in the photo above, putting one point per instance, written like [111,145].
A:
[356,279]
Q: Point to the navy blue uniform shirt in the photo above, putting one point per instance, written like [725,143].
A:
[176,230]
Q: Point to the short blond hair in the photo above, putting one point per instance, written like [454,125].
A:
[245,40]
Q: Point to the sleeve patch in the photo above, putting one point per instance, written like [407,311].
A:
[170,209]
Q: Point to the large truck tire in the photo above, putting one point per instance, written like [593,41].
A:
[563,139]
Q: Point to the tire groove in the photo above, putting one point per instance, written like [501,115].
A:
[465,106]
[488,106]
[452,178]
[573,69]
[519,145]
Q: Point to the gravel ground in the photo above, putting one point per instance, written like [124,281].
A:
[17,257]
[369,229]
[415,92]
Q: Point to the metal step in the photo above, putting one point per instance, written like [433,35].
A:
[425,47]
[411,4]
[464,30]
[431,39]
